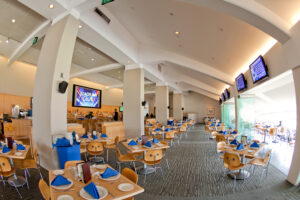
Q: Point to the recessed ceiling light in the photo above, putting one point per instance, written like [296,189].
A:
[177,33]
[0,41]
[51,6]
[7,41]
[13,20]
[93,59]
[171,13]
[79,26]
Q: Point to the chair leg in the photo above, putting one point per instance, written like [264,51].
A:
[133,164]
[167,163]
[162,173]
[234,183]
[17,189]
[25,173]
[145,177]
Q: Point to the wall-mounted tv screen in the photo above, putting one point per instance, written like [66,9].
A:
[226,94]
[222,97]
[258,69]
[121,109]
[241,82]
[86,97]
[220,101]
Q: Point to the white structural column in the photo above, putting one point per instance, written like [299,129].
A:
[133,95]
[177,106]
[162,103]
[294,173]
[50,106]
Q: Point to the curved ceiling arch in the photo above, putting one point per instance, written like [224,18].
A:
[251,13]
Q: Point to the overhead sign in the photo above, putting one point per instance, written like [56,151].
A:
[35,40]
[106,1]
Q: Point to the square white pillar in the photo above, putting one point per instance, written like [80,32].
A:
[177,106]
[162,103]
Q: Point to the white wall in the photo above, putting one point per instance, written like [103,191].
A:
[198,103]
[113,96]
[17,79]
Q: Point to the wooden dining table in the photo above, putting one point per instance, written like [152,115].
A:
[141,148]
[111,186]
[19,181]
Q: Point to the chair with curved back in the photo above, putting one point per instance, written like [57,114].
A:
[153,158]
[220,147]
[220,138]
[131,175]
[261,162]
[232,162]
[273,134]
[164,150]
[44,189]
[7,171]
[123,158]
[111,146]
[169,136]
[95,149]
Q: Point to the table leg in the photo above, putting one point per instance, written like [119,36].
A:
[146,169]
[265,131]
[15,180]
[241,174]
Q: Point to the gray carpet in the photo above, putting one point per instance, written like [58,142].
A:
[196,172]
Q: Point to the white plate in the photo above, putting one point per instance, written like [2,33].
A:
[125,187]
[110,178]
[58,172]
[18,153]
[135,147]
[251,151]
[159,144]
[100,166]
[6,152]
[101,190]
[65,197]
[147,146]
[63,187]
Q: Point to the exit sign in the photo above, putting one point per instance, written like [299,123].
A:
[106,1]
[35,40]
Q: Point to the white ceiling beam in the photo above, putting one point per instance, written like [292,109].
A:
[203,92]
[252,13]
[27,43]
[102,68]
[122,85]
[201,85]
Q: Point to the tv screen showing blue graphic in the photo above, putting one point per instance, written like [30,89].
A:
[258,69]
[226,94]
[223,97]
[86,97]
[241,82]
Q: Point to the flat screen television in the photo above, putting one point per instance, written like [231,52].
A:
[226,94]
[240,82]
[86,97]
[223,97]
[258,70]
[121,109]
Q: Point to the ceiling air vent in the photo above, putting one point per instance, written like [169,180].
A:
[102,15]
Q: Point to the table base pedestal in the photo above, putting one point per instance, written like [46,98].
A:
[18,182]
[241,175]
[148,170]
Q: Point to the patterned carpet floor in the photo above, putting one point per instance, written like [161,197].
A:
[196,172]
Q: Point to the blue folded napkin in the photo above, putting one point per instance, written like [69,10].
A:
[85,136]
[170,122]
[60,180]
[150,125]
[0,144]
[148,144]
[234,132]
[225,133]
[92,190]
[240,147]
[212,125]
[254,145]
[62,142]
[154,141]
[234,142]
[20,147]
[221,131]
[5,149]
[167,129]
[157,129]
[104,135]
[179,125]
[109,173]
[95,137]
[132,143]
[219,125]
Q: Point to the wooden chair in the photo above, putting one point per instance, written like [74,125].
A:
[273,134]
[153,158]
[169,136]
[33,163]
[261,162]
[131,175]
[44,189]
[220,147]
[7,171]
[232,162]
[111,146]
[123,158]
[72,163]
[95,149]
[220,138]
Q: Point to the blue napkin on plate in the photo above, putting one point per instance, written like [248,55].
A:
[234,132]
[154,141]
[20,147]
[179,125]
[104,135]
[5,149]
[212,125]
[240,147]
[62,142]
[234,142]
[148,144]
[167,129]
[92,190]
[85,136]
[109,173]
[132,143]
[60,180]
[221,132]
[95,137]
[225,133]
[254,145]
[158,129]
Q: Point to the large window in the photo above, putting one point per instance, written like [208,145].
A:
[229,115]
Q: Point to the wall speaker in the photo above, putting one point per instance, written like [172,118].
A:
[182,108]
[62,87]
[144,103]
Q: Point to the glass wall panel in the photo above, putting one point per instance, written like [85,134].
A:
[246,115]
[229,115]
